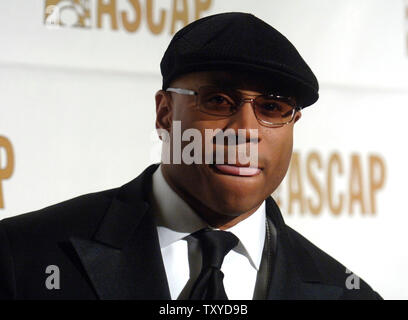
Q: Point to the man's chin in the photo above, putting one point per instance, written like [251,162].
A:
[235,207]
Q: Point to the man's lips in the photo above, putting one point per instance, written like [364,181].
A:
[237,171]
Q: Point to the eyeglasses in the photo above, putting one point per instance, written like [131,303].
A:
[270,110]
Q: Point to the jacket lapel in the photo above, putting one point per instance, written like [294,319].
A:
[123,259]
[294,275]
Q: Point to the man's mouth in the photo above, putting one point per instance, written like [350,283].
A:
[237,170]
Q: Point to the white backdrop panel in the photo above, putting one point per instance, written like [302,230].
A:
[77,105]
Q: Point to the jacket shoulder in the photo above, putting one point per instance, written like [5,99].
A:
[331,271]
[31,242]
[79,216]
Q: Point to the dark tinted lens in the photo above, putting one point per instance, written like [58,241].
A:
[217,101]
[273,110]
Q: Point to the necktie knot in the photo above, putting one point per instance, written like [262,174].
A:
[215,244]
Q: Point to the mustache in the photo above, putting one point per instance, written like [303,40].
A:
[231,138]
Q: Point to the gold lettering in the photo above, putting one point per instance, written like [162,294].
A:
[295,177]
[334,159]
[155,28]
[7,171]
[133,25]
[179,15]
[108,8]
[356,188]
[314,158]
[201,6]
[375,182]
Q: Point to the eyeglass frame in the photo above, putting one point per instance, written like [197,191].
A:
[250,100]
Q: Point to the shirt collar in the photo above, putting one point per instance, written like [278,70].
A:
[176,220]
[251,234]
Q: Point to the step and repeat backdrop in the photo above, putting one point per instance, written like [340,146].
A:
[77,112]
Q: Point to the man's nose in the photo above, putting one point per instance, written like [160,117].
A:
[245,119]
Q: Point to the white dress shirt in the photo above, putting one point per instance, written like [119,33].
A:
[181,252]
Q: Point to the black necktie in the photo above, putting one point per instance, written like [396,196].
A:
[215,244]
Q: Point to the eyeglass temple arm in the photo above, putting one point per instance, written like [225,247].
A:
[182,91]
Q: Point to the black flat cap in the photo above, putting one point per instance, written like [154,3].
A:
[236,41]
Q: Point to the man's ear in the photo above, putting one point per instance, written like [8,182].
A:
[298,115]
[164,111]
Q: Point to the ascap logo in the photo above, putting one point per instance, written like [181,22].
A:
[71,13]
[338,184]
[124,14]
[6,164]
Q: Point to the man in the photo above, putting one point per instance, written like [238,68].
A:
[202,230]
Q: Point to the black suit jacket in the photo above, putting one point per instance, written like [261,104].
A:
[105,246]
